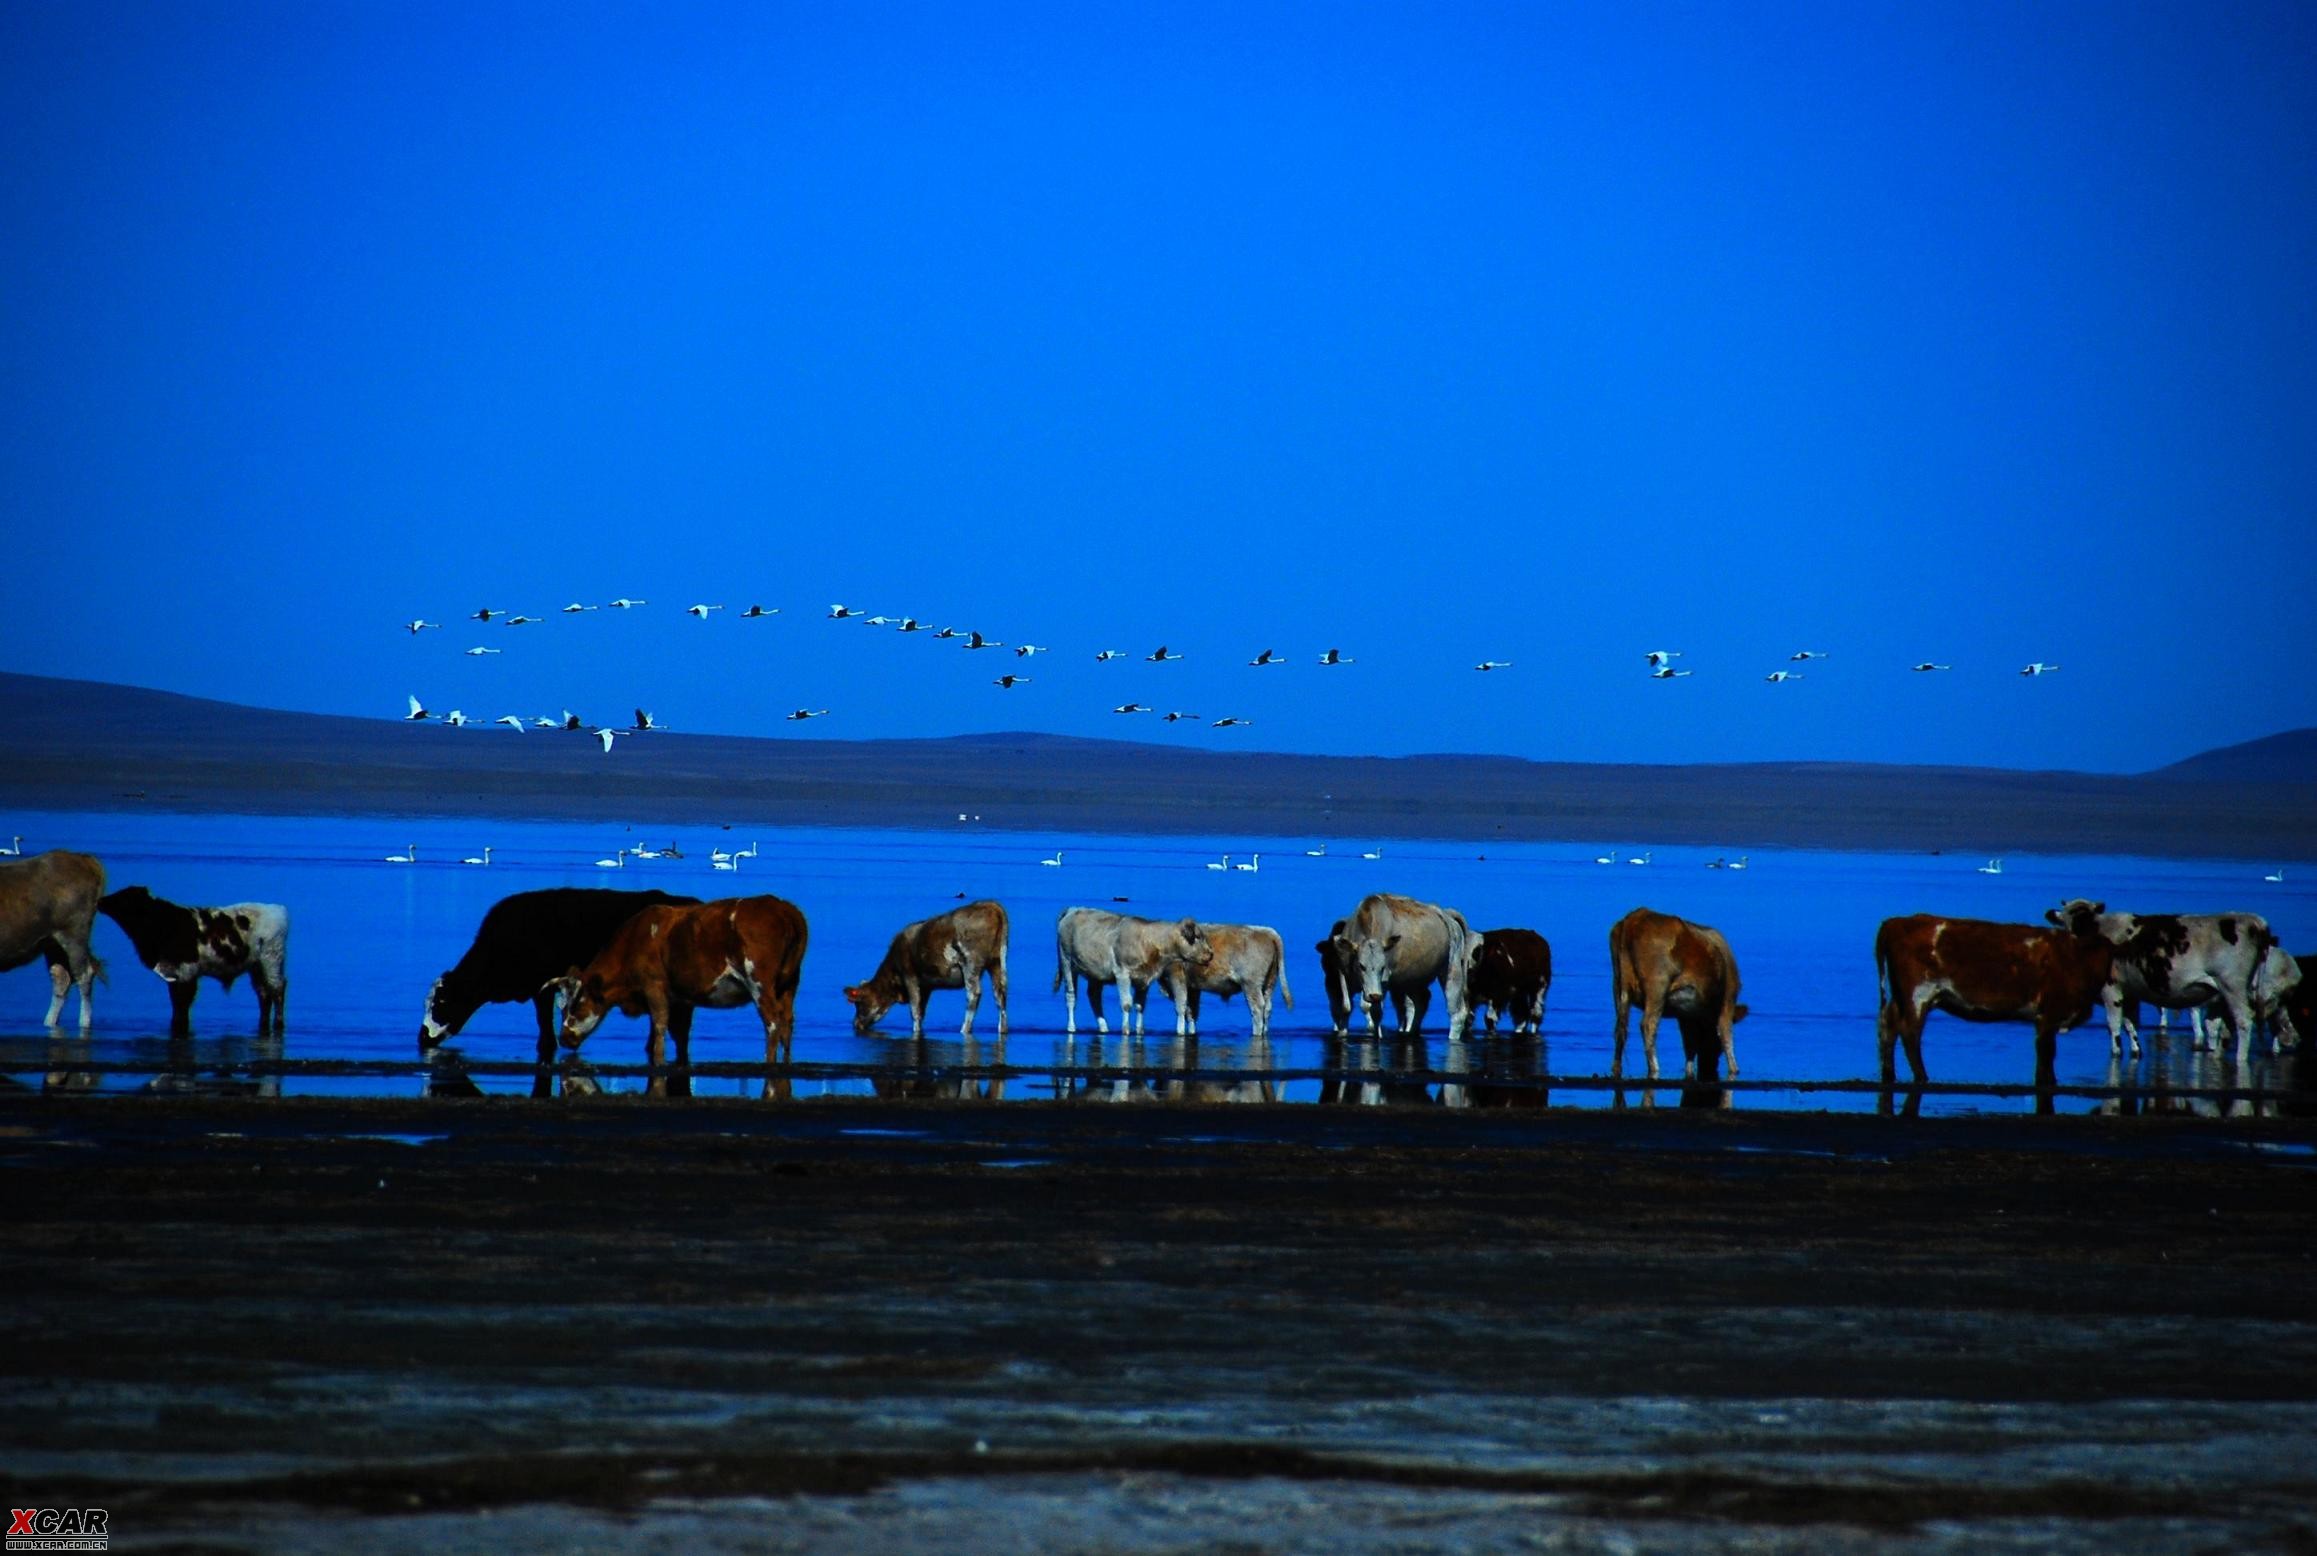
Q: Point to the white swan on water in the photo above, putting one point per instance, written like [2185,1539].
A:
[618,861]
[1054,863]
[1250,868]
[486,859]
[1225,865]
[409,858]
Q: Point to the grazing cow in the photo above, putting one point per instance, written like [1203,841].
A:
[1249,959]
[2177,961]
[668,961]
[1401,947]
[528,947]
[951,951]
[185,945]
[1663,964]
[1511,972]
[48,908]
[1133,953]
[1980,971]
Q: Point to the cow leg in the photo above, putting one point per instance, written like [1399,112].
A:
[1651,1014]
[280,979]
[1094,988]
[2047,1042]
[59,980]
[1129,1008]
[2120,1021]
[998,986]
[680,1028]
[2240,1017]
[1727,1025]
[1537,1012]
[543,1006]
[1070,1004]
[1190,1010]
[1259,1013]
[915,993]
[973,997]
[181,1007]
[1622,998]
[1413,1009]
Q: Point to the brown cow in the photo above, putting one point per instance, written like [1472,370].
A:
[950,951]
[1511,972]
[1249,959]
[1981,971]
[667,961]
[1666,964]
[48,908]
[1338,974]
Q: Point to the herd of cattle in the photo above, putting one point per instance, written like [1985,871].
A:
[660,956]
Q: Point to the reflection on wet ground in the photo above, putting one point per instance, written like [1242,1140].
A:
[1503,1071]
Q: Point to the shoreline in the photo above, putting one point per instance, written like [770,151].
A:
[85,747]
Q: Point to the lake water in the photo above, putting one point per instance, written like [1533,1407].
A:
[369,938]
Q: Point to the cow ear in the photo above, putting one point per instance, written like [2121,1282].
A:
[1190,929]
[2056,916]
[2096,908]
[1737,1014]
[1395,940]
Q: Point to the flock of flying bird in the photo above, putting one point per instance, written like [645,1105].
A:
[1659,661]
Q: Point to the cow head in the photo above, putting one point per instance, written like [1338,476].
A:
[1371,965]
[1192,945]
[584,1007]
[437,1022]
[2077,916]
[869,1007]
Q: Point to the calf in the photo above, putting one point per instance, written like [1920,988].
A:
[1984,972]
[528,947]
[1511,972]
[48,908]
[1666,964]
[1102,947]
[185,945]
[668,961]
[1249,959]
[951,951]
[2179,961]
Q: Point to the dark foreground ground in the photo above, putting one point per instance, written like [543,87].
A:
[871,1326]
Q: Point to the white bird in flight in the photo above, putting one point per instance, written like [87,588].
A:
[755,611]
[511,721]
[414,628]
[485,614]
[809,713]
[2038,668]
[700,612]
[1808,653]
[417,712]
[1229,723]
[1104,656]
[644,721]
[840,612]
[911,624]
[1025,650]
[477,653]
[1267,657]
[1657,657]
[1159,655]
[1130,707]
[1178,717]
[522,621]
[623,603]
[574,608]
[1494,664]
[1011,681]
[1783,675]
[1927,665]
[455,719]
[1335,656]
[607,736]
[1667,673]
[976,640]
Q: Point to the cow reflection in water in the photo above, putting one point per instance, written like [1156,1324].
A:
[1178,1069]
[2292,1086]
[923,1081]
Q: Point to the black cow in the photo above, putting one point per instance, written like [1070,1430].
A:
[526,945]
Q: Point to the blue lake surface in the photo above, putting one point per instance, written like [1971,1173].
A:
[368,938]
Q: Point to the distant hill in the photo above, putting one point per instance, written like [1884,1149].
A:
[2287,758]
[93,745]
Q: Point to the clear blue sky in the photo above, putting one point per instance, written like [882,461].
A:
[1974,333]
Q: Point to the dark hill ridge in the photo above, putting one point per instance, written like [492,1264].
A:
[82,744]
[2287,758]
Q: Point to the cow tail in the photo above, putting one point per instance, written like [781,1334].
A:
[1286,996]
[1061,960]
[96,965]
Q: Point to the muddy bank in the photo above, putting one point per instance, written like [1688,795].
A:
[323,1323]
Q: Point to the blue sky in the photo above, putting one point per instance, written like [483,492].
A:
[1554,334]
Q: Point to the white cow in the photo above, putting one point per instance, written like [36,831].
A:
[1133,953]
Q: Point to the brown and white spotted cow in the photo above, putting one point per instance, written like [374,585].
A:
[48,908]
[668,961]
[184,945]
[1983,971]
[1510,973]
[950,951]
[2182,961]
[1249,959]
[1102,947]
[1667,965]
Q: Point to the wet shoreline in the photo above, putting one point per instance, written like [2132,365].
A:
[235,1318]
